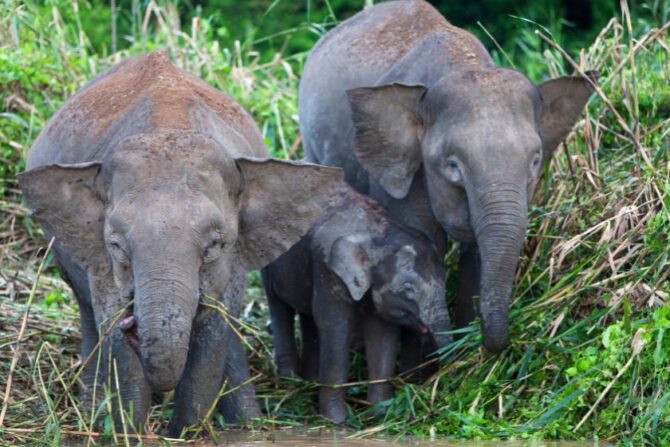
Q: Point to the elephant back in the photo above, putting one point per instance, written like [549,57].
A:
[146,94]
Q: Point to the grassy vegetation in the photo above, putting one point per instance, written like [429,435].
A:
[590,356]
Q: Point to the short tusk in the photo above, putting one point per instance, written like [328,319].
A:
[127,324]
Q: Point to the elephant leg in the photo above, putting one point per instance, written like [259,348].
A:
[310,348]
[89,340]
[381,349]
[241,405]
[133,390]
[201,381]
[468,285]
[283,329]
[77,279]
[334,319]
[120,370]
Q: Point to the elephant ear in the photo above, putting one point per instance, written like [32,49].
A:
[564,100]
[66,201]
[388,131]
[279,203]
[349,260]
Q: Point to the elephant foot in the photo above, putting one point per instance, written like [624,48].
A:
[241,417]
[236,412]
[287,363]
[175,429]
[379,392]
[232,416]
[332,407]
[250,412]
[337,416]
[184,418]
[287,371]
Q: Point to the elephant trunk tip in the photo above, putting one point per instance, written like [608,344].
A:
[163,360]
[442,340]
[494,310]
[495,346]
[159,380]
[439,332]
[496,340]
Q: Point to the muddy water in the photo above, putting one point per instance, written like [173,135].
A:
[329,439]
[339,439]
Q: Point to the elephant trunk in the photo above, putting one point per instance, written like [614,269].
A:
[434,316]
[438,325]
[439,329]
[166,301]
[499,219]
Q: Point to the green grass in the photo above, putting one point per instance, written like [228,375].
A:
[590,356]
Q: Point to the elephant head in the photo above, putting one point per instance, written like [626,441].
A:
[481,138]
[405,277]
[170,216]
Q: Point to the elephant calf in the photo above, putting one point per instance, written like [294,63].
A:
[143,179]
[355,270]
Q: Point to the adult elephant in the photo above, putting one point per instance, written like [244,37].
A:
[144,180]
[415,111]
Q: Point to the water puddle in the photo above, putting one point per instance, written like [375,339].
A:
[341,439]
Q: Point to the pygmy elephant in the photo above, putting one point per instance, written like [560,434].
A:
[142,179]
[419,117]
[356,271]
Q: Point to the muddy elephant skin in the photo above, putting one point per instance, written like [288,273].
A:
[157,190]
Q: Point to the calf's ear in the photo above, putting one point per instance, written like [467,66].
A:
[349,260]
[67,201]
[279,203]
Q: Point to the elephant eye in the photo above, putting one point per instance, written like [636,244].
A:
[453,171]
[118,252]
[213,251]
[535,164]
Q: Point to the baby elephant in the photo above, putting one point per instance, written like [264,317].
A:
[355,271]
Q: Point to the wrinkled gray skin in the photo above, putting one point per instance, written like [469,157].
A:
[421,119]
[356,271]
[142,180]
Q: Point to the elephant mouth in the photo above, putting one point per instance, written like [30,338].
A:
[128,326]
